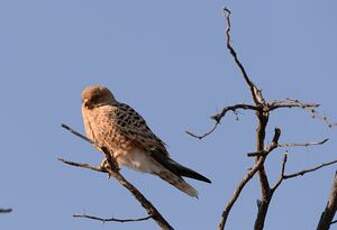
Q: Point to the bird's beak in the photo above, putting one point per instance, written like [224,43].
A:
[85,102]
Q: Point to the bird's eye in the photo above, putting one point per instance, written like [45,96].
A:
[95,97]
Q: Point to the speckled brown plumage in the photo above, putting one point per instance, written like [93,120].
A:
[121,129]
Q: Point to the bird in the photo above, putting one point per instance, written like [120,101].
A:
[125,133]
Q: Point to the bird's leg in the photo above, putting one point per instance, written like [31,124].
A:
[104,165]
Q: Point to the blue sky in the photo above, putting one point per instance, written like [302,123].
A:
[168,60]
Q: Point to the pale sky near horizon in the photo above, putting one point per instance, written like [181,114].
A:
[168,60]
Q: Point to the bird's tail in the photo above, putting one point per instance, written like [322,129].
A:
[186,172]
[177,182]
[179,169]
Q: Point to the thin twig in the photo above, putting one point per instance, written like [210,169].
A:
[303,144]
[273,146]
[110,219]
[291,103]
[77,133]
[83,165]
[309,107]
[255,92]
[284,176]
[281,178]
[305,171]
[316,115]
[217,118]
[209,132]
[333,222]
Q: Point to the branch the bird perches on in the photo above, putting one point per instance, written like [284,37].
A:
[113,171]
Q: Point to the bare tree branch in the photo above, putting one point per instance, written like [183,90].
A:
[330,210]
[305,171]
[266,193]
[85,216]
[333,222]
[291,103]
[257,166]
[250,174]
[255,92]
[217,118]
[281,178]
[284,176]
[309,107]
[202,136]
[113,171]
[270,148]
[77,134]
[304,144]
[262,114]
[316,115]
[83,165]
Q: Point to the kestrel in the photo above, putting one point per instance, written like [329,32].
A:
[125,133]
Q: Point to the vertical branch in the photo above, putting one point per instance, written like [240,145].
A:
[237,193]
[255,92]
[257,166]
[260,138]
[266,193]
[262,115]
[330,209]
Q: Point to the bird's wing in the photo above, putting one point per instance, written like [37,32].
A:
[134,127]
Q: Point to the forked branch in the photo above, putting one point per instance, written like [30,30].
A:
[305,171]
[284,176]
[250,174]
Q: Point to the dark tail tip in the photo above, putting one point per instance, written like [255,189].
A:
[186,172]
[178,169]
[197,176]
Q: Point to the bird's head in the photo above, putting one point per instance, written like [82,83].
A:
[96,95]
